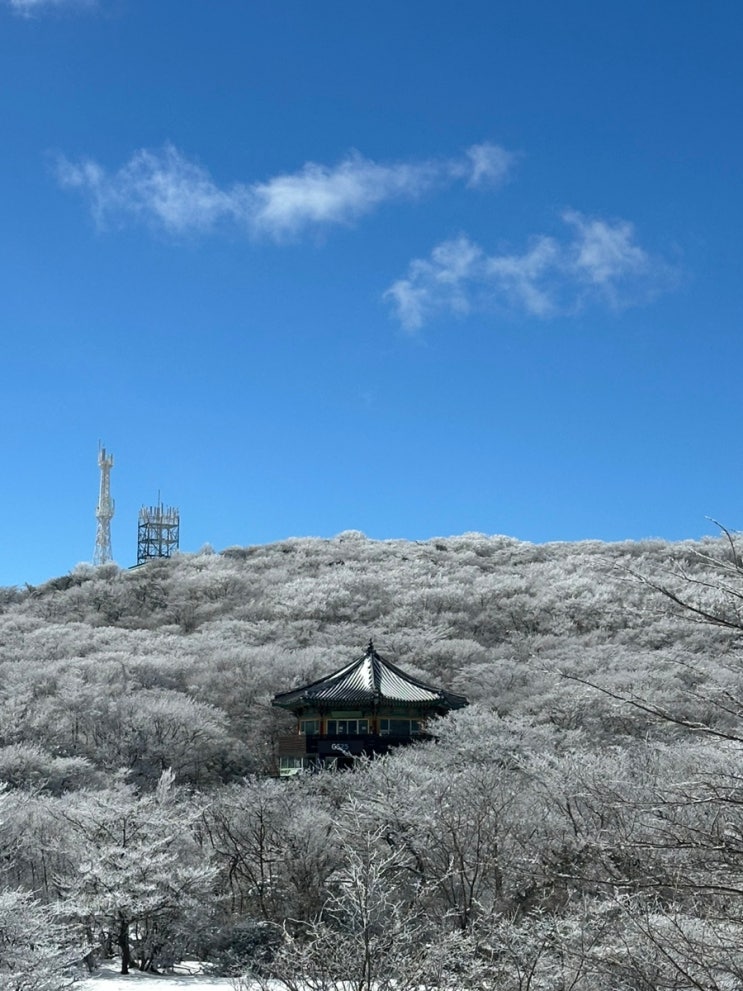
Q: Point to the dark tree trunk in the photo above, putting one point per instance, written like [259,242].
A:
[123,942]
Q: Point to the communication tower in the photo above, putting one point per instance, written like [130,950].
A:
[104,510]
[158,532]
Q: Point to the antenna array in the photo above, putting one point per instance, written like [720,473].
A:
[158,532]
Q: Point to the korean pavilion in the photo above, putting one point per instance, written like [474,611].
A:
[365,708]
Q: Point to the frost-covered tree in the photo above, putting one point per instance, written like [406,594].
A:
[29,766]
[270,844]
[37,951]
[369,936]
[136,877]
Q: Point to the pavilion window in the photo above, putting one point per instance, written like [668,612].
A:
[399,727]
[289,766]
[310,727]
[348,727]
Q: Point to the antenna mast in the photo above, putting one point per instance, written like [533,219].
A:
[104,510]
[158,532]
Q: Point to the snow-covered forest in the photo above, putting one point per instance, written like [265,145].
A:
[579,825]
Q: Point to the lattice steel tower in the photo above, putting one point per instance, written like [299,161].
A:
[104,511]
[158,532]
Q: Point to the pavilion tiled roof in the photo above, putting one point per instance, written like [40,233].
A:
[370,680]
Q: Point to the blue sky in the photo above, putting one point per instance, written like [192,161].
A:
[413,269]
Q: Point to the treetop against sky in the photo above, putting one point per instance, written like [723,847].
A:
[408,269]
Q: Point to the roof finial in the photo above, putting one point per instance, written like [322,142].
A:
[370,648]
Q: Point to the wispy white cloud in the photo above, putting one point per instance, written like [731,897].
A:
[179,196]
[30,8]
[489,164]
[605,255]
[319,195]
[600,261]
[162,188]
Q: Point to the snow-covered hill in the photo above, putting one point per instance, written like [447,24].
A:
[583,815]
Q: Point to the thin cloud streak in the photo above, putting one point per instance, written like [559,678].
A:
[601,262]
[167,190]
[30,8]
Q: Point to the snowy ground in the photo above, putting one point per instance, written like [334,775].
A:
[186,978]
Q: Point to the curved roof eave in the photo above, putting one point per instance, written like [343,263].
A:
[369,680]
